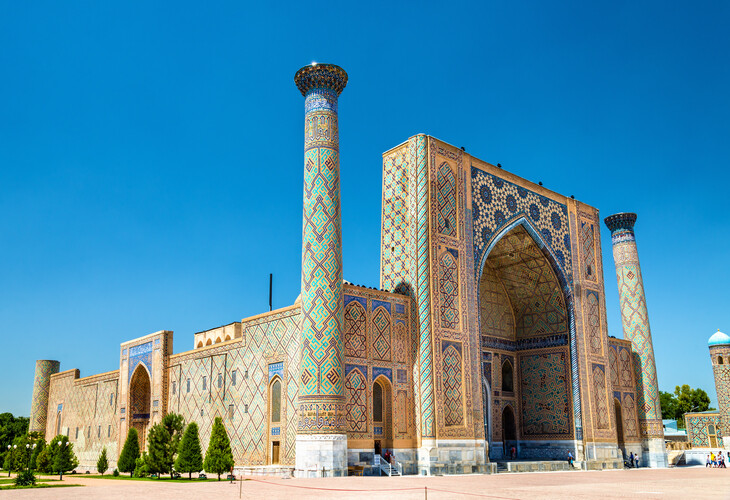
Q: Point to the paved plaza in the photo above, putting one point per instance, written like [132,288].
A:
[689,482]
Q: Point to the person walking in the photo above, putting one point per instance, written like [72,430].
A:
[570,459]
[708,462]
[636,458]
[631,459]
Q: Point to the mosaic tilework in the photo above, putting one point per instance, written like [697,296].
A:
[140,354]
[446,200]
[545,395]
[589,251]
[636,321]
[697,429]
[495,310]
[721,373]
[628,407]
[497,202]
[625,367]
[425,354]
[395,245]
[600,414]
[322,384]
[355,341]
[401,342]
[356,406]
[452,382]
[449,289]
[41,387]
[613,366]
[381,334]
[267,341]
[595,340]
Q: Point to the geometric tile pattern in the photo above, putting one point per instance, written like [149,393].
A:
[446,200]
[381,334]
[41,385]
[356,407]
[625,368]
[697,434]
[497,202]
[629,414]
[589,251]
[599,393]
[451,379]
[533,289]
[355,343]
[613,365]
[395,245]
[545,395]
[635,320]
[425,353]
[721,373]
[322,384]
[495,310]
[449,288]
[594,324]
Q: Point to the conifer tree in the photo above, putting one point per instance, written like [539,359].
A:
[130,452]
[63,455]
[41,445]
[102,465]
[218,458]
[159,452]
[189,455]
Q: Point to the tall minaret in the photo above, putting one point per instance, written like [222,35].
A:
[719,345]
[321,438]
[44,368]
[636,329]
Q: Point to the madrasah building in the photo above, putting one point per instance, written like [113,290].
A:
[488,334]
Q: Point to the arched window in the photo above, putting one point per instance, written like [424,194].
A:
[218,340]
[507,377]
[209,342]
[276,401]
[228,337]
[377,403]
[200,344]
[719,360]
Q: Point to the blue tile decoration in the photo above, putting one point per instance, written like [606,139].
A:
[140,354]
[363,302]
[383,371]
[400,309]
[378,303]
[276,369]
[275,431]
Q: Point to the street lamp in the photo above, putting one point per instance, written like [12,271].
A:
[60,444]
[9,461]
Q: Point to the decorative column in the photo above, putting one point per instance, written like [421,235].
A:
[44,368]
[635,320]
[719,345]
[321,438]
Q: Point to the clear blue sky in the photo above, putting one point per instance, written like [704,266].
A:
[151,154]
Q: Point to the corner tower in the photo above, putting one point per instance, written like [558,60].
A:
[719,345]
[635,319]
[44,368]
[321,438]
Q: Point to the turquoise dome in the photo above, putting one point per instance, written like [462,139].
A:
[719,338]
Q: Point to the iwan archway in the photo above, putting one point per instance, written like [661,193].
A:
[140,394]
[525,325]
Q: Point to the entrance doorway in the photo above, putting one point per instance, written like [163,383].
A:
[378,449]
[509,431]
[139,403]
[275,453]
[619,425]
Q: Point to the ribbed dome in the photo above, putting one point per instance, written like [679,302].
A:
[719,338]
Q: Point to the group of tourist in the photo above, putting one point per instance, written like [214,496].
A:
[715,460]
[633,460]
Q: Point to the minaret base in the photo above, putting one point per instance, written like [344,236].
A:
[321,455]
[654,453]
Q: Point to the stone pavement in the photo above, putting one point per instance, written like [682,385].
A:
[642,484]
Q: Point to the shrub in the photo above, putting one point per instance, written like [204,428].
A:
[102,465]
[140,469]
[130,452]
[115,473]
[25,478]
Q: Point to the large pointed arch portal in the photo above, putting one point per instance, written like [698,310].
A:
[527,331]
[140,394]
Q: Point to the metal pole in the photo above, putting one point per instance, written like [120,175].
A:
[271,287]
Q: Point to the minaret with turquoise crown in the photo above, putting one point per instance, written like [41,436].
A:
[719,345]
[635,319]
[321,434]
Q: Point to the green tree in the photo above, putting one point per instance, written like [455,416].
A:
[140,466]
[218,458]
[63,457]
[190,454]
[159,451]
[40,446]
[690,401]
[669,405]
[175,425]
[102,465]
[43,460]
[10,428]
[130,452]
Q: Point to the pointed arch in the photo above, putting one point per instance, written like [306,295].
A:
[356,401]
[508,376]
[382,334]
[209,342]
[383,410]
